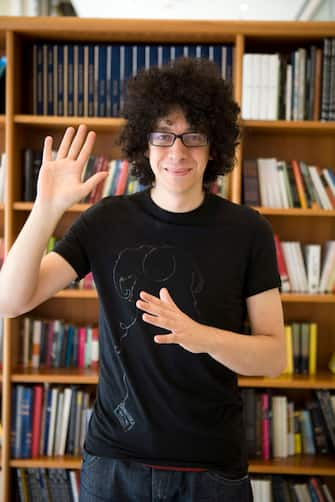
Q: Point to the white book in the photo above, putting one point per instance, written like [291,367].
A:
[58,421]
[246,84]
[273,180]
[329,180]
[37,331]
[274,64]
[282,185]
[320,188]
[290,264]
[279,426]
[301,267]
[64,421]
[263,86]
[26,340]
[327,493]
[51,433]
[263,187]
[327,266]
[288,93]
[74,487]
[313,265]
[255,86]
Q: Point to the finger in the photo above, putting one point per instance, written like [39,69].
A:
[65,143]
[77,142]
[171,338]
[158,321]
[87,148]
[148,307]
[149,298]
[93,181]
[166,297]
[47,150]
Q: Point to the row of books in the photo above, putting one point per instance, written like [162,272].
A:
[278,488]
[299,85]
[301,348]
[90,79]
[57,344]
[277,427]
[270,182]
[48,420]
[47,485]
[306,268]
[119,181]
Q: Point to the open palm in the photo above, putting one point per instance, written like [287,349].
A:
[59,182]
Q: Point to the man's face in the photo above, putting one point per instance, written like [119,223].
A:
[178,168]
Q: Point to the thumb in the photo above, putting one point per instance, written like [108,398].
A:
[94,180]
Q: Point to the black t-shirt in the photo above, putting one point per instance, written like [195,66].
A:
[161,404]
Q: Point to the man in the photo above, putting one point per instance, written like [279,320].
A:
[177,269]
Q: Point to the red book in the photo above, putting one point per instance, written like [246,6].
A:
[81,347]
[282,269]
[37,415]
[123,177]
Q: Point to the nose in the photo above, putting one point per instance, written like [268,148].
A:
[178,149]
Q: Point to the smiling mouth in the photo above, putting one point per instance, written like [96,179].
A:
[178,172]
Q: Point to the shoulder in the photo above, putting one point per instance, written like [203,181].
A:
[111,207]
[239,214]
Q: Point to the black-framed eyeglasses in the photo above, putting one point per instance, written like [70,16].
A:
[189,139]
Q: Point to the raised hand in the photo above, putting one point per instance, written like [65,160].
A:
[59,184]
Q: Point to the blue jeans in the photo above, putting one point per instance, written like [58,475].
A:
[114,480]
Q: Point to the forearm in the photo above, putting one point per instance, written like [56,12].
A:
[254,355]
[19,273]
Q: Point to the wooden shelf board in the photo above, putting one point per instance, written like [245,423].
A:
[311,465]
[323,380]
[99,123]
[307,298]
[55,375]
[61,462]
[271,211]
[289,126]
[298,465]
[79,294]
[2,119]
[27,206]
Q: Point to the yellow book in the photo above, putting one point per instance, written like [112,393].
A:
[313,337]
[297,434]
[289,350]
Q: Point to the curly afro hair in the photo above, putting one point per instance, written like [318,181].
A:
[195,86]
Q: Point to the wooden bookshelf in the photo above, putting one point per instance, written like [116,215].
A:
[20,128]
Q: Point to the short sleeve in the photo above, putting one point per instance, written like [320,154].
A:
[262,270]
[73,247]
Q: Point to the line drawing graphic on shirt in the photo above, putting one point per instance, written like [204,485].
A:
[148,268]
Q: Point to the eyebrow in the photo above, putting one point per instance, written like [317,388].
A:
[168,129]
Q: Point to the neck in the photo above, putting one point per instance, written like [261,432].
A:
[177,202]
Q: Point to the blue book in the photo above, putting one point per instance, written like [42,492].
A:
[140,57]
[13,421]
[109,81]
[217,56]
[80,82]
[126,70]
[90,80]
[48,398]
[50,80]
[25,412]
[153,55]
[38,79]
[115,80]
[18,422]
[229,71]
[60,80]
[59,343]
[192,51]
[166,54]
[70,81]
[102,59]
[205,51]
[69,346]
